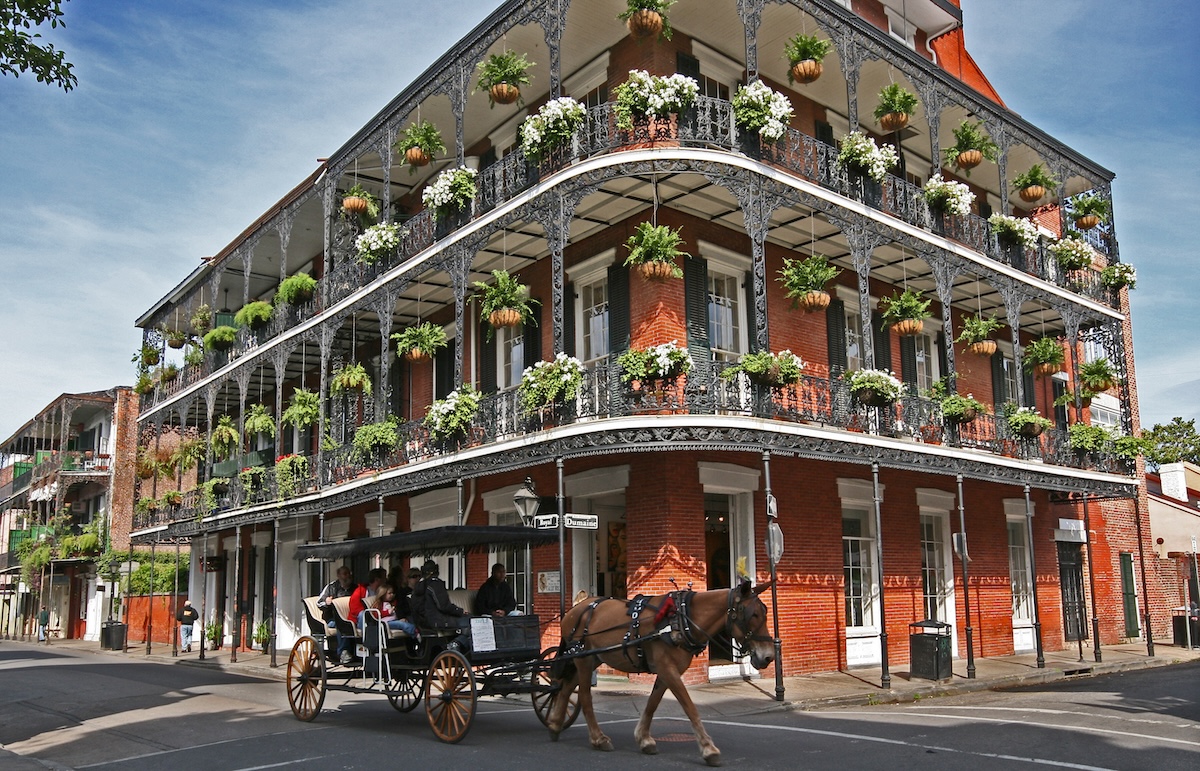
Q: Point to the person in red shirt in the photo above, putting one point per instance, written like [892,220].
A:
[358,602]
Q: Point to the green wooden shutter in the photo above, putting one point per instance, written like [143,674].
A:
[695,293]
[569,319]
[750,314]
[835,329]
[1129,596]
[487,359]
[1058,388]
[618,308]
[443,370]
[943,359]
[999,389]
[883,342]
[1029,388]
[908,363]
[532,337]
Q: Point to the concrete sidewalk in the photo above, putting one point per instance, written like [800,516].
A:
[619,696]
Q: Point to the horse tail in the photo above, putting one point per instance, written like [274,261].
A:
[563,665]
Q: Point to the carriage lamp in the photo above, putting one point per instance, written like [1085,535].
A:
[526,501]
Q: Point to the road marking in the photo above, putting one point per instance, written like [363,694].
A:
[1088,729]
[1044,711]
[285,763]
[306,729]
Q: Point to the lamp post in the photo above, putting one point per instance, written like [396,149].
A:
[526,501]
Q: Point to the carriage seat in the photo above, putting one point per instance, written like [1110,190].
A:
[316,619]
[341,606]
[463,598]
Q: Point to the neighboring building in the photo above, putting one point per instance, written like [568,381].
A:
[68,472]
[1174,505]
[675,472]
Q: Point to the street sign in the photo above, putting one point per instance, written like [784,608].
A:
[545,521]
[582,521]
[774,541]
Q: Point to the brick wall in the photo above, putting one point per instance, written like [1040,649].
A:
[124,475]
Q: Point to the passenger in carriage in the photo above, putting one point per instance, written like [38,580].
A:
[431,604]
[389,612]
[358,608]
[495,596]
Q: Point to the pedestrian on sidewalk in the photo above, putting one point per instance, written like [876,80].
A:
[43,624]
[187,617]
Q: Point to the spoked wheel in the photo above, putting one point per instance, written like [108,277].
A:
[407,686]
[306,679]
[450,696]
[543,696]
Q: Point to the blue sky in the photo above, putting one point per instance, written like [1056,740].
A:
[191,119]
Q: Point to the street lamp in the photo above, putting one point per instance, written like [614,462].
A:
[526,502]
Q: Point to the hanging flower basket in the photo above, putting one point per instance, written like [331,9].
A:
[983,348]
[893,121]
[807,70]
[871,397]
[1032,194]
[655,271]
[645,23]
[353,204]
[969,159]
[504,93]
[909,327]
[811,302]
[1046,368]
[504,317]
[415,156]
[416,355]
[969,414]
[1031,430]
[1087,221]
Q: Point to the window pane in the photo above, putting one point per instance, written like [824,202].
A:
[1018,571]
[594,309]
[724,312]
[858,569]
[512,353]
[853,340]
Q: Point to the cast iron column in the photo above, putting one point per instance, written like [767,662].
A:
[966,580]
[885,678]
[1087,527]
[1037,619]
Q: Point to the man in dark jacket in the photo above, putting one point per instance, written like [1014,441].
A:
[431,602]
[187,617]
[495,596]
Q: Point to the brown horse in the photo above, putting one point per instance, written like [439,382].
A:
[660,635]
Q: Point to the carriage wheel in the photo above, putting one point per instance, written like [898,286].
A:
[306,679]
[408,691]
[543,697]
[450,696]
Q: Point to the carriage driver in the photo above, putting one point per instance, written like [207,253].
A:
[432,606]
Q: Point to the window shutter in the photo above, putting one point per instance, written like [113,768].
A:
[487,359]
[618,308]
[750,314]
[883,342]
[1058,388]
[999,391]
[943,359]
[443,370]
[908,363]
[532,336]
[686,64]
[824,132]
[569,319]
[1028,387]
[835,328]
[695,293]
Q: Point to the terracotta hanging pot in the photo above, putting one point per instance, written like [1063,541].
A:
[504,317]
[871,397]
[175,343]
[893,121]
[415,156]
[908,327]
[353,204]
[968,415]
[982,348]
[968,159]
[416,355]
[1031,430]
[806,70]
[504,93]
[1032,194]
[811,302]
[645,23]
[655,271]
[1087,221]
[1044,369]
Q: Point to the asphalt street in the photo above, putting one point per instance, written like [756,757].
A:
[71,709]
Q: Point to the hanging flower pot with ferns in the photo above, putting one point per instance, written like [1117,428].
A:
[804,282]
[905,312]
[805,54]
[647,18]
[654,251]
[420,143]
[896,106]
[505,302]
[502,75]
[975,332]
[1034,183]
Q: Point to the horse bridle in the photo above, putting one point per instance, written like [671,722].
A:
[738,615]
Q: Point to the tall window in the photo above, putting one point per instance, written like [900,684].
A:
[854,349]
[724,315]
[510,347]
[858,567]
[593,302]
[513,561]
[933,566]
[927,362]
[1018,571]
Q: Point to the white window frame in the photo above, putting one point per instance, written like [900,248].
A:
[504,345]
[588,273]
[728,264]
[1023,631]
[1012,373]
[862,642]
[587,78]
[933,358]
[908,31]
[853,321]
[936,505]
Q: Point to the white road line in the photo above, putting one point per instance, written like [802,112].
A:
[201,747]
[1044,711]
[285,763]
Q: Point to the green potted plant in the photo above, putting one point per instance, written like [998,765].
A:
[166,373]
[805,280]
[259,421]
[905,312]
[647,18]
[262,635]
[373,441]
[351,377]
[1129,447]
[357,202]
[769,369]
[654,251]
[420,342]
[451,192]
[1085,438]
[225,438]
[975,334]
[450,419]
[645,96]
[145,505]
[1024,422]
[805,54]
[254,315]
[971,146]
[201,320]
[252,479]
[377,242]
[896,106]
[1073,253]
[144,384]
[214,632]
[172,498]
[860,155]
[221,338]
[502,75]
[1089,211]
[420,143]
[505,301]
[873,387]
[1117,275]
[1034,183]
[549,383]
[296,289]
[551,127]
[187,453]
[947,197]
[176,338]
[147,356]
[957,408]
[761,112]
[1098,375]
[1044,356]
[194,355]
[1013,231]
[303,410]
[291,474]
[658,362]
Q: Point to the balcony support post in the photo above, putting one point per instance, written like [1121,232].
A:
[386,303]
[751,13]
[553,21]
[279,359]
[327,196]
[245,253]
[243,382]
[1003,143]
[863,241]
[944,273]
[283,228]
[459,268]
[1012,313]
[210,406]
[323,422]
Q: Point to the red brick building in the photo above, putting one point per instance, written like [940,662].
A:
[675,470]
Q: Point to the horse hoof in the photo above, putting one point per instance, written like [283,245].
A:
[650,749]
[713,759]
[553,736]
[605,745]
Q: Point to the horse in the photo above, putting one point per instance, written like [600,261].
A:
[658,635]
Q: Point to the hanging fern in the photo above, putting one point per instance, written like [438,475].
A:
[259,421]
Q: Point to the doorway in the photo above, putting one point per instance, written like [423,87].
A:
[1070,579]
[729,552]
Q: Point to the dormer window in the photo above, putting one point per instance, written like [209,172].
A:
[901,29]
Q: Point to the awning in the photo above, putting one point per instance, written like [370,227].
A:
[434,542]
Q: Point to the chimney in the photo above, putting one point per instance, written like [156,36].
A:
[1174,481]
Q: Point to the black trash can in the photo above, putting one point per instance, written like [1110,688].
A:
[1179,624]
[929,650]
[112,636]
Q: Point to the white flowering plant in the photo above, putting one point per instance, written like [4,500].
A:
[944,195]
[773,369]
[451,191]
[1073,253]
[547,382]
[645,95]
[860,153]
[451,418]
[551,126]
[1119,275]
[1013,230]
[757,108]
[657,362]
[377,241]
[886,385]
